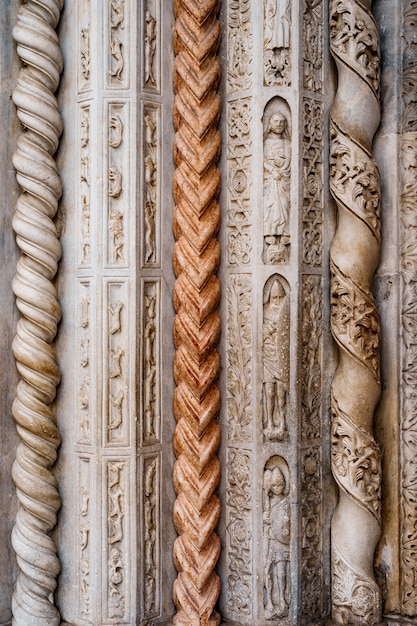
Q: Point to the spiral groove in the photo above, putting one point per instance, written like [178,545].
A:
[356,387]
[36,299]
[197,324]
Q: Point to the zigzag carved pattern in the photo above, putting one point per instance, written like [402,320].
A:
[36,298]
[355,323]
[197,324]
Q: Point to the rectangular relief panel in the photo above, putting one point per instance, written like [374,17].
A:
[117,545]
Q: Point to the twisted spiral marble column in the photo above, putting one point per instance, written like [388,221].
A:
[197,325]
[36,298]
[355,186]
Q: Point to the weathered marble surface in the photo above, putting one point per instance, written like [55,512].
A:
[116,283]
[8,256]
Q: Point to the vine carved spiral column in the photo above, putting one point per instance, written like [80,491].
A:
[355,323]
[197,324]
[36,297]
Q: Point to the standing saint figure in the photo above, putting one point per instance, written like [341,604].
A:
[277,185]
[275,332]
[277,24]
[277,534]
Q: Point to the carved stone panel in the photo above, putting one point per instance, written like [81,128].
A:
[277,181]
[116,363]
[84,65]
[275,358]
[409,314]
[313,178]
[312,566]
[151,536]
[151,184]
[151,20]
[117,39]
[277,42]
[151,361]
[239,531]
[85,409]
[118,190]
[276,515]
[239,358]
[239,181]
[84,211]
[311,363]
[116,558]
[83,542]
[313,42]
[239,45]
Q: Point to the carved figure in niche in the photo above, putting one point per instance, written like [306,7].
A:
[117,14]
[277,24]
[277,534]
[277,183]
[85,53]
[117,54]
[115,181]
[275,332]
[150,180]
[85,129]
[277,41]
[115,324]
[85,230]
[115,131]
[117,236]
[150,47]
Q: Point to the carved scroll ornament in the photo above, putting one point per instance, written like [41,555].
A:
[356,386]
[196,257]
[409,313]
[36,299]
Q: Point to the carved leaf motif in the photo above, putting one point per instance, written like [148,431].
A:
[239,532]
[312,353]
[313,45]
[355,321]
[354,38]
[239,353]
[409,314]
[355,180]
[354,318]
[356,461]
[239,32]
[352,590]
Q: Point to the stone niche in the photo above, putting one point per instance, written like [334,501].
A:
[215,330]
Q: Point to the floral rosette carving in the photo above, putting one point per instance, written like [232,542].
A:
[355,250]
[197,323]
[36,299]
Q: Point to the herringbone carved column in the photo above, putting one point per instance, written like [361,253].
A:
[355,248]
[197,325]
[38,48]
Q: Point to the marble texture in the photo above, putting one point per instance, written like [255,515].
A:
[267,559]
